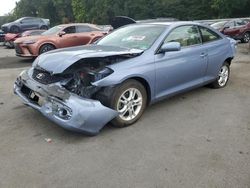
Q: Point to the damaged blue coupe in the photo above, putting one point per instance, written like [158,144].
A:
[83,88]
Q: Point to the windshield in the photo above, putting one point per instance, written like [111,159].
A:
[218,25]
[52,31]
[134,36]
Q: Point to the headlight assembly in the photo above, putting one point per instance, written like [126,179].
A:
[30,42]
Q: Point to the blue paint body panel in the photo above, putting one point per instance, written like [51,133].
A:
[166,73]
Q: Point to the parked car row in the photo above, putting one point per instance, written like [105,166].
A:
[31,38]
[238,29]
[10,38]
[24,24]
[60,36]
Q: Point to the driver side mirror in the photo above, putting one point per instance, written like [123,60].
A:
[170,47]
[61,33]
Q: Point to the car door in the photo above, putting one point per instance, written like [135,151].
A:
[35,23]
[27,24]
[217,52]
[84,34]
[69,38]
[179,70]
[230,29]
[240,26]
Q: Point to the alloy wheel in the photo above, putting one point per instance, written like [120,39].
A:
[223,75]
[246,37]
[130,104]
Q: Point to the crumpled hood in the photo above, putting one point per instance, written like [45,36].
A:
[57,61]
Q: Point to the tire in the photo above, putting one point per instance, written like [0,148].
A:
[45,48]
[120,101]
[15,29]
[44,27]
[223,77]
[246,37]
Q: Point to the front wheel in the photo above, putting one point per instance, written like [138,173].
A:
[15,29]
[46,48]
[130,100]
[223,77]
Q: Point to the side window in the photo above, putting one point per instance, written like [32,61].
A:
[33,20]
[71,29]
[185,35]
[83,29]
[26,20]
[240,22]
[208,35]
[230,24]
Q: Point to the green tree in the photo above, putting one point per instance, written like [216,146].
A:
[78,7]
[102,11]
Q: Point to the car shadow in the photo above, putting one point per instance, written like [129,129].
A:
[46,129]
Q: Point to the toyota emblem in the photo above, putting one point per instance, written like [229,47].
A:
[40,76]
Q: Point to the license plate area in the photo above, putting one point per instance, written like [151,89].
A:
[35,97]
[32,95]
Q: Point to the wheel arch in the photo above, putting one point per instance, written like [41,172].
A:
[229,60]
[44,43]
[146,85]
[93,40]
[247,31]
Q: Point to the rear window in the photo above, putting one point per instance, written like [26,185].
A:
[83,29]
[69,30]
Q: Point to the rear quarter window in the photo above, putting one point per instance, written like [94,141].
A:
[208,35]
[83,29]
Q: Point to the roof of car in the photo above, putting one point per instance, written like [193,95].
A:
[75,24]
[173,23]
[30,17]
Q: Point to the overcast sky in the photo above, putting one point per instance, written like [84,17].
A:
[7,6]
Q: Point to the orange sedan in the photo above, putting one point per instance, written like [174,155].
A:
[60,36]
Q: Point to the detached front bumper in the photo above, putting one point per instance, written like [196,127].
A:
[62,107]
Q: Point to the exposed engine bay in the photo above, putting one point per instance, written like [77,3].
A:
[78,78]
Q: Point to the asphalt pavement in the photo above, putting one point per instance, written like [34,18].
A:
[193,140]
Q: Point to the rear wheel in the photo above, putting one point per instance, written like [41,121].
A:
[223,77]
[246,37]
[45,48]
[130,100]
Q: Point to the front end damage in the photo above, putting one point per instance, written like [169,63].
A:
[66,109]
[69,98]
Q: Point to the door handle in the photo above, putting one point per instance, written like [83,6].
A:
[204,55]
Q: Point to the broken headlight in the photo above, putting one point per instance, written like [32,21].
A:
[95,76]
[81,82]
